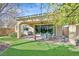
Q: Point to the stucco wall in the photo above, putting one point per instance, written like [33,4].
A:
[72,34]
[59,30]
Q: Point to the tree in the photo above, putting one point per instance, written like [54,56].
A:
[54,14]
[8,16]
[68,13]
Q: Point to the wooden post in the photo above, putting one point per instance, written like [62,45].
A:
[77,30]
[18,31]
[34,33]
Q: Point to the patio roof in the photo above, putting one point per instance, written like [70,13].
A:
[40,16]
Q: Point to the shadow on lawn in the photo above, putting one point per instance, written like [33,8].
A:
[59,51]
[24,43]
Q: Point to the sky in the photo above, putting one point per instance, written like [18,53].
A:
[32,8]
[26,9]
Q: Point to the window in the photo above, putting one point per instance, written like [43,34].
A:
[44,29]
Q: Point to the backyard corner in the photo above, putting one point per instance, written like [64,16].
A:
[39,29]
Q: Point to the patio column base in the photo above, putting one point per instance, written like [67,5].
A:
[73,42]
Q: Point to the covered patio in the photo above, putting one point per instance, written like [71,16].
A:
[57,30]
[32,24]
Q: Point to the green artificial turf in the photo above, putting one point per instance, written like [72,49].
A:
[22,47]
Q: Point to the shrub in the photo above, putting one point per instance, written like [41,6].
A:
[13,34]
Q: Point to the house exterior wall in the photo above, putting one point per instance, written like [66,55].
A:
[72,34]
[59,30]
